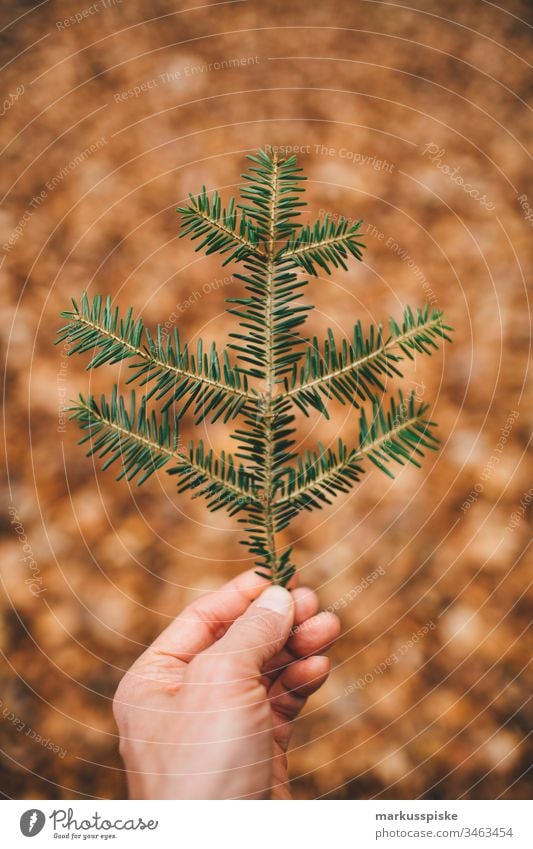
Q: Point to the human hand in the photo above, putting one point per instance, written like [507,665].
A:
[207,711]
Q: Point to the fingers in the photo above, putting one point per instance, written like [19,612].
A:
[204,621]
[312,636]
[305,604]
[254,637]
[289,693]
[302,678]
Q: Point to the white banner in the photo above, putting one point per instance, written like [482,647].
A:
[260,825]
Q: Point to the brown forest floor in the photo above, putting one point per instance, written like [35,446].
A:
[348,80]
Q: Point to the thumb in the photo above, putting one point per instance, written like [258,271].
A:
[261,632]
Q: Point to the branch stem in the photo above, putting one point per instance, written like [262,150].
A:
[156,361]
[254,249]
[269,413]
[123,431]
[306,248]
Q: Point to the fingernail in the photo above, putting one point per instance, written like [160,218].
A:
[275,598]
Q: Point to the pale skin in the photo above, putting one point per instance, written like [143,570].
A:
[208,710]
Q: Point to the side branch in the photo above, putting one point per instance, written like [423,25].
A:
[325,246]
[400,434]
[219,228]
[218,479]
[319,476]
[215,387]
[141,442]
[352,372]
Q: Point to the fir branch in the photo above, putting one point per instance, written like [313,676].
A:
[273,302]
[399,434]
[142,443]
[218,227]
[218,479]
[270,320]
[270,343]
[215,388]
[273,193]
[352,372]
[324,246]
[265,481]
[319,476]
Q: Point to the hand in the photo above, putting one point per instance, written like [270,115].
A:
[207,711]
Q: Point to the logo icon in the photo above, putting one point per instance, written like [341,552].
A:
[32,822]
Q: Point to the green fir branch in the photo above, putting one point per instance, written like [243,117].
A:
[400,434]
[219,479]
[206,380]
[272,191]
[139,441]
[353,371]
[324,246]
[221,230]
[319,476]
[280,372]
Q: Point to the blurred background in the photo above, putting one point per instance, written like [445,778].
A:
[415,119]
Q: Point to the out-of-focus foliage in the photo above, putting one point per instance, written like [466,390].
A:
[121,116]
